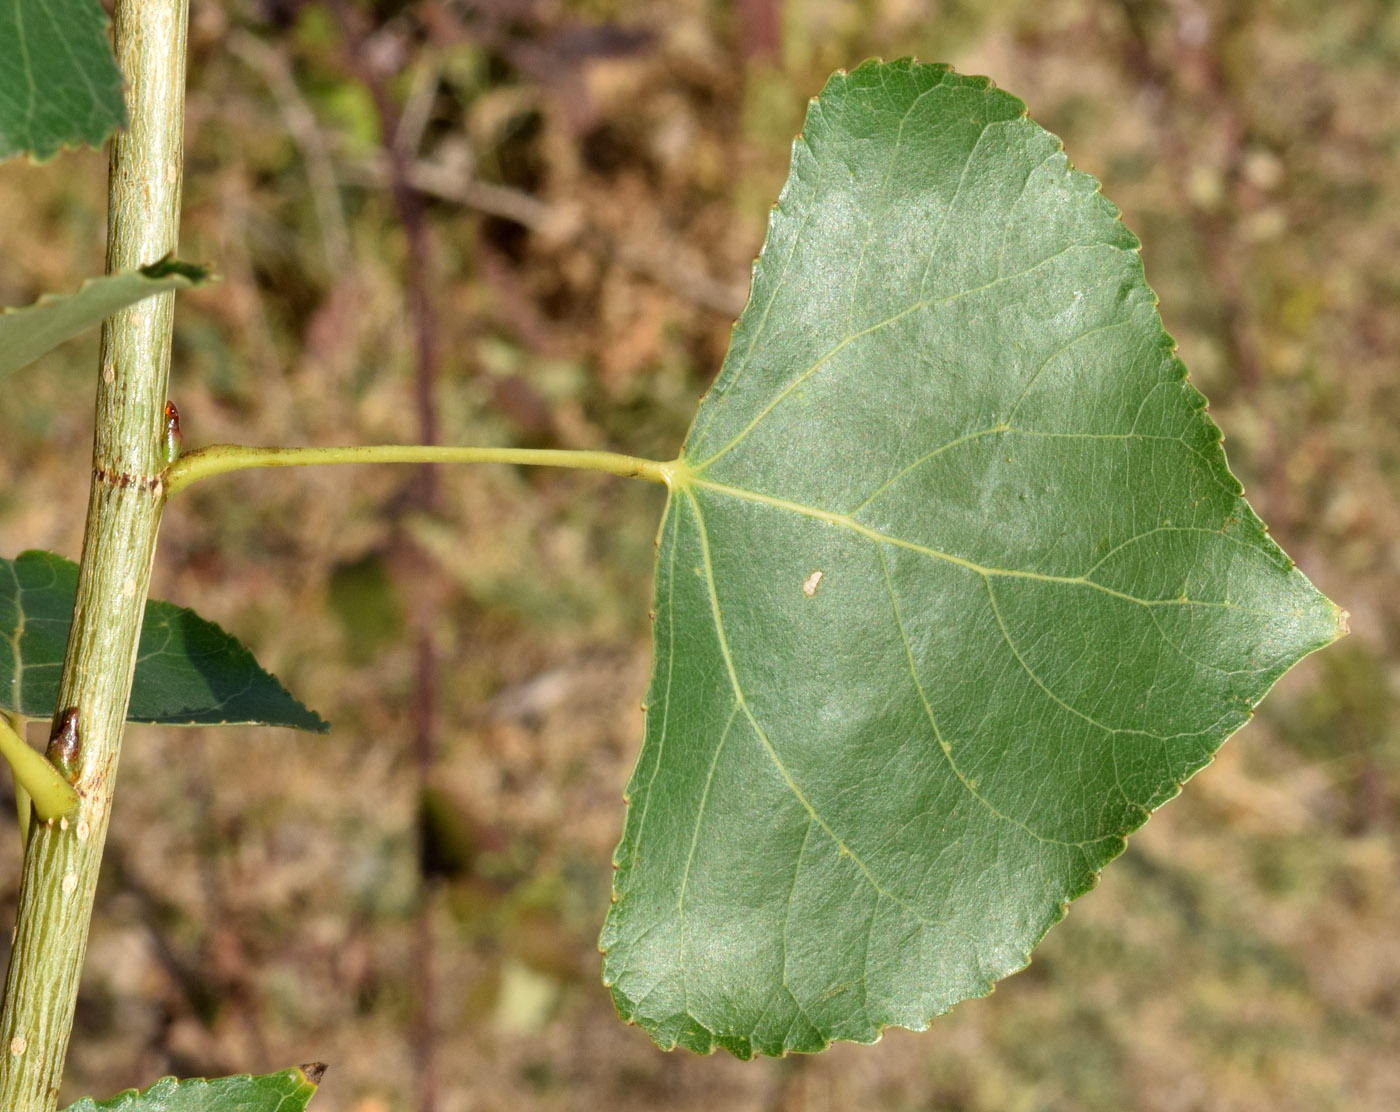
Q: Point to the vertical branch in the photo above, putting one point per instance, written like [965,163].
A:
[62,858]
[424,750]
[399,135]
[409,204]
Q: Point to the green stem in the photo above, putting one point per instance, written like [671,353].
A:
[218,459]
[61,859]
[53,796]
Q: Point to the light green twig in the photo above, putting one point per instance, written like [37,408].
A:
[218,459]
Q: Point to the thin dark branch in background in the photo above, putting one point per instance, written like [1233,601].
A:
[1195,51]
[408,203]
[425,1012]
[760,28]
[656,259]
[371,59]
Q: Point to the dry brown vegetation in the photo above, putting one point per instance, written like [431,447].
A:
[594,182]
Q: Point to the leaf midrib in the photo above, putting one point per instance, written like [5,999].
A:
[741,702]
[688,483]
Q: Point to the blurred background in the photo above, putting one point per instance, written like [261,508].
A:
[531,222]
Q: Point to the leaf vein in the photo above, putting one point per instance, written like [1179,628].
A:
[948,213]
[670,665]
[1016,204]
[944,747]
[742,702]
[1010,644]
[876,327]
[762,324]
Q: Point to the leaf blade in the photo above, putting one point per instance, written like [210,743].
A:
[963,584]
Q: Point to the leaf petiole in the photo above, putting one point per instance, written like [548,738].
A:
[52,795]
[218,459]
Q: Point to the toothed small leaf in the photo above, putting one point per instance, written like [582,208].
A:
[189,672]
[286,1091]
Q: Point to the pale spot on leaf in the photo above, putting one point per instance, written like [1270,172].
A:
[811,583]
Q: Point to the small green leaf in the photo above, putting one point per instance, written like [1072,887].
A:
[189,672]
[59,83]
[27,333]
[954,588]
[287,1091]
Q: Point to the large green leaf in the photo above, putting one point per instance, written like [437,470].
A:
[189,672]
[27,333]
[287,1091]
[59,84]
[954,587]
